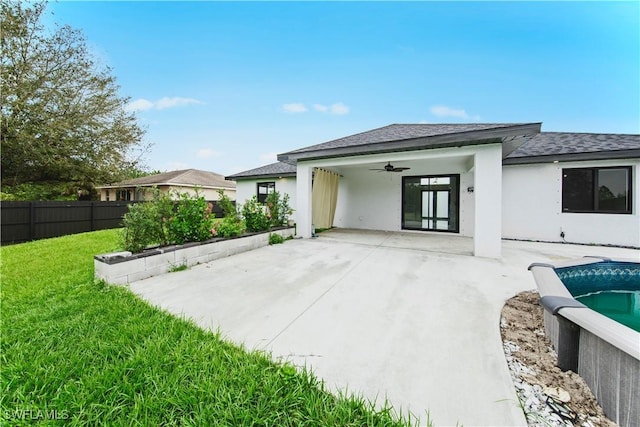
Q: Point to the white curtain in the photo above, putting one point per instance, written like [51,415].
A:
[324,198]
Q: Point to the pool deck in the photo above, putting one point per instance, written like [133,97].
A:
[413,318]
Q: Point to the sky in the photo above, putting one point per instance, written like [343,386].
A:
[226,86]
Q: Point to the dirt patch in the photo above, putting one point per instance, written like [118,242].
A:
[548,395]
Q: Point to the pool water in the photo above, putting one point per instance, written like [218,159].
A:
[621,306]
[610,288]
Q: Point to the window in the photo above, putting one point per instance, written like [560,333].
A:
[597,190]
[431,203]
[123,195]
[264,189]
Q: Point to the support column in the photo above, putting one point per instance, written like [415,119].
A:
[303,200]
[487,238]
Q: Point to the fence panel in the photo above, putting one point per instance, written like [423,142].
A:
[24,221]
[16,223]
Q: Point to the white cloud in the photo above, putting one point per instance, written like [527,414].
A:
[295,108]
[161,104]
[339,108]
[444,111]
[207,153]
[269,157]
[176,101]
[139,105]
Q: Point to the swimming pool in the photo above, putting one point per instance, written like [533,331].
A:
[608,287]
[603,351]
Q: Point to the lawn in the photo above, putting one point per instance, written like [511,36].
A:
[79,352]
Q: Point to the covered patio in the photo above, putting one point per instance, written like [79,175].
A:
[442,243]
[425,178]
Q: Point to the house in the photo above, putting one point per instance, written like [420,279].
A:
[261,181]
[485,181]
[184,181]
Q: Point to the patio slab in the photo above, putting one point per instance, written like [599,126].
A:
[387,315]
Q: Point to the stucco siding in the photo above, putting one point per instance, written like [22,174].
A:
[532,207]
[247,188]
[369,200]
[372,200]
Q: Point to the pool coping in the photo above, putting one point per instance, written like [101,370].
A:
[605,353]
[550,285]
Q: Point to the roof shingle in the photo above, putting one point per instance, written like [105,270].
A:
[575,145]
[400,132]
[187,177]
[273,169]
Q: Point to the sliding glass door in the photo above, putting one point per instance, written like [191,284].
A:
[431,202]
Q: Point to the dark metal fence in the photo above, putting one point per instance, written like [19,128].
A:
[24,221]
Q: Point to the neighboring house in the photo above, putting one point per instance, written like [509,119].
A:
[485,181]
[184,181]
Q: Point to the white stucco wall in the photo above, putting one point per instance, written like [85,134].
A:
[247,188]
[371,200]
[488,201]
[532,207]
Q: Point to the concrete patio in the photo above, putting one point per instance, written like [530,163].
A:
[409,317]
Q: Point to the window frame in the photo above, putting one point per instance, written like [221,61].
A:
[123,195]
[453,195]
[270,185]
[595,191]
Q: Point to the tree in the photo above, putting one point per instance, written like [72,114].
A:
[63,121]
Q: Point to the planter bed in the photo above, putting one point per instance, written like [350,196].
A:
[125,267]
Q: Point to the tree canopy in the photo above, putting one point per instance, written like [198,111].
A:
[63,122]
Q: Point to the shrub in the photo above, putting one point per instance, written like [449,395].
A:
[227,206]
[162,221]
[191,221]
[275,239]
[230,227]
[146,224]
[255,217]
[232,224]
[279,209]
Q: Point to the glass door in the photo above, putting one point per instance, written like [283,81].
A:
[430,203]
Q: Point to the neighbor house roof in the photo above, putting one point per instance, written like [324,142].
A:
[565,146]
[405,137]
[273,170]
[181,178]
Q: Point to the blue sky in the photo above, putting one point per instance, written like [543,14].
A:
[225,86]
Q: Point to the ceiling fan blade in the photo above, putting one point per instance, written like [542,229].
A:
[400,169]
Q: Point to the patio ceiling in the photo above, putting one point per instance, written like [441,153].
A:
[425,161]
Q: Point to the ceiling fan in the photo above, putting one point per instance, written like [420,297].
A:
[390,168]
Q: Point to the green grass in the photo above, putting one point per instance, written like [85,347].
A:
[88,353]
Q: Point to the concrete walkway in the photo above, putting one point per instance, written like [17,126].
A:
[412,318]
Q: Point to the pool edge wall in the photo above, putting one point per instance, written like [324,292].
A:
[605,353]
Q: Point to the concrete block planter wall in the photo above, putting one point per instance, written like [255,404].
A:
[125,267]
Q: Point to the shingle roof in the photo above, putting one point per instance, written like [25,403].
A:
[399,132]
[549,146]
[407,137]
[187,177]
[273,169]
